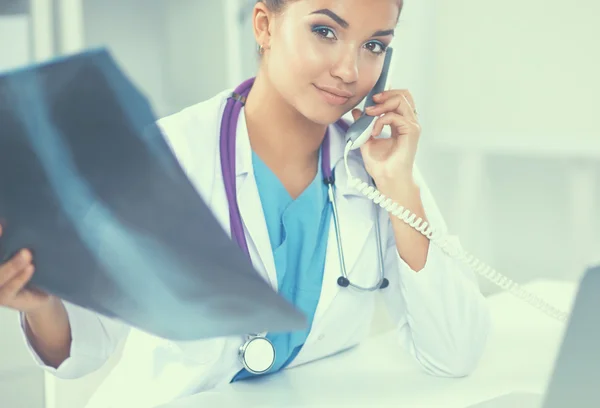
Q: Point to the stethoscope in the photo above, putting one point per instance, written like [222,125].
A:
[257,354]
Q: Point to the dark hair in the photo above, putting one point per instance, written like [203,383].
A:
[277,6]
[274,5]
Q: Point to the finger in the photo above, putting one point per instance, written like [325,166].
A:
[407,106]
[9,291]
[389,105]
[396,92]
[394,120]
[385,95]
[15,265]
[356,114]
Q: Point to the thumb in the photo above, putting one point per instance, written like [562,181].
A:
[356,114]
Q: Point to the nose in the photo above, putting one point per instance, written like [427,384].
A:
[346,66]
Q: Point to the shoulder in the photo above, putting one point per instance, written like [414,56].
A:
[192,134]
[197,122]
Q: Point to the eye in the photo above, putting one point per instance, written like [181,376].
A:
[324,32]
[376,47]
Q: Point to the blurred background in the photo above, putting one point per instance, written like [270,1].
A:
[507,94]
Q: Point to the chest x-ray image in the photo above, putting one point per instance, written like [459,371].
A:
[88,183]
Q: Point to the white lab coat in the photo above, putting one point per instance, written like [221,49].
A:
[441,317]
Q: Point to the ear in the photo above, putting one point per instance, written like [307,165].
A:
[261,23]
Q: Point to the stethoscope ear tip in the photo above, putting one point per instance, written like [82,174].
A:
[384,284]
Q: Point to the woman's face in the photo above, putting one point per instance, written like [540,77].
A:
[325,55]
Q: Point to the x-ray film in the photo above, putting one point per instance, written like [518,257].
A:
[89,184]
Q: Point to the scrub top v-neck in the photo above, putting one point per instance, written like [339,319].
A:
[298,231]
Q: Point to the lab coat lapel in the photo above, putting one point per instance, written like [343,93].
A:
[355,219]
[250,204]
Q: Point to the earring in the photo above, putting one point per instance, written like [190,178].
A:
[261,49]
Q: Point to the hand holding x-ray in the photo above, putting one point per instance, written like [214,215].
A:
[15,274]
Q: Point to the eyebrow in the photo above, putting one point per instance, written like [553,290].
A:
[383,33]
[333,16]
[344,24]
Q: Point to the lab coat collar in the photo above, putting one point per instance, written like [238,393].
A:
[243,150]
[249,202]
[336,142]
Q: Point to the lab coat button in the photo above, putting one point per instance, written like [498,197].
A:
[321,337]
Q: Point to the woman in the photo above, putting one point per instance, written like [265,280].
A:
[319,59]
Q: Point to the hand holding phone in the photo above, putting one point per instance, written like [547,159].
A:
[360,131]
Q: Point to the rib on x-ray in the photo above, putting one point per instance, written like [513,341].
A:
[89,184]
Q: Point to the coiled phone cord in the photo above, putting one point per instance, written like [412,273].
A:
[454,251]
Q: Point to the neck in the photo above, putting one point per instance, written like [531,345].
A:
[280,135]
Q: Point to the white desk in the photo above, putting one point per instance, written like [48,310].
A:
[520,356]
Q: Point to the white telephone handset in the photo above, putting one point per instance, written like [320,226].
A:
[358,133]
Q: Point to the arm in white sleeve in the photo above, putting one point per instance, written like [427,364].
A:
[442,316]
[94,340]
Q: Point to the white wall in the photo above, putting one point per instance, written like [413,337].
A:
[249,52]
[134,32]
[174,51]
[195,52]
[14,41]
[525,69]
[514,88]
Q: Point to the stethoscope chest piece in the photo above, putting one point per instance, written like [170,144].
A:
[257,354]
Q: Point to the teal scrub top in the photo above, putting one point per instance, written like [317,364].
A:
[298,231]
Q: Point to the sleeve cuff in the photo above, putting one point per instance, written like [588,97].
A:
[87,352]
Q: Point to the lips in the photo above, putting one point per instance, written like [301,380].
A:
[334,96]
[336,91]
